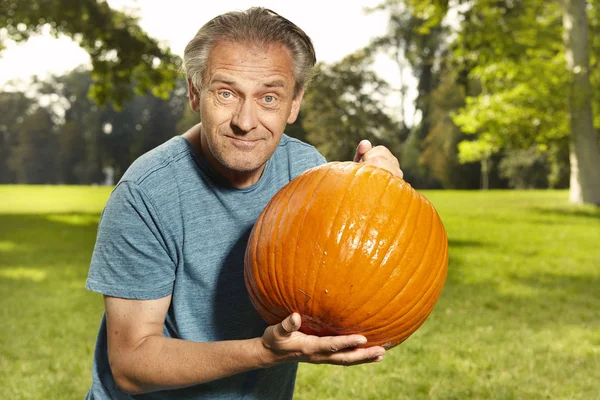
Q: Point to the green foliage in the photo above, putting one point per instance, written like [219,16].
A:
[516,52]
[472,151]
[125,60]
[188,119]
[296,130]
[431,13]
[343,106]
[508,112]
[517,318]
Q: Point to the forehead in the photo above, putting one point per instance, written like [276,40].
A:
[259,63]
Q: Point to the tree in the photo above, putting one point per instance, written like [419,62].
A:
[14,106]
[414,46]
[343,106]
[525,169]
[33,157]
[72,140]
[125,60]
[141,125]
[439,149]
[418,42]
[584,151]
[77,119]
[71,153]
[531,61]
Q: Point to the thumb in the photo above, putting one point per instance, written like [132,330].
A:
[289,325]
[363,147]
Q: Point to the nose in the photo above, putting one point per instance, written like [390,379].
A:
[245,117]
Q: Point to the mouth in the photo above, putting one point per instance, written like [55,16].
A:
[244,143]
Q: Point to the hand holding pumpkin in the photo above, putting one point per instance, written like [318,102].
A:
[286,344]
[379,156]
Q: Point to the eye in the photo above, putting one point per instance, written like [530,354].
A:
[226,95]
[270,100]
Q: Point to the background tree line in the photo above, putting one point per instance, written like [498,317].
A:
[503,87]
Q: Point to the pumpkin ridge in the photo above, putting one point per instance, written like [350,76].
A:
[317,265]
[293,305]
[416,275]
[251,276]
[277,281]
[427,302]
[431,299]
[373,210]
[400,230]
[319,294]
[300,308]
[260,280]
[430,295]
[293,249]
[397,281]
[352,306]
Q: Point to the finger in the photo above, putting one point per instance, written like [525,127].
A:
[363,147]
[378,152]
[382,157]
[355,356]
[333,344]
[289,325]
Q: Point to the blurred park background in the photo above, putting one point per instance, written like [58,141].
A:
[492,107]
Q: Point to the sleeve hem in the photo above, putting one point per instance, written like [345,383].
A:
[130,293]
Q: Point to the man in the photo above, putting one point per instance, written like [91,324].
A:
[168,259]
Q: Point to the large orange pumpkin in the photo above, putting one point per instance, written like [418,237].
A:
[351,248]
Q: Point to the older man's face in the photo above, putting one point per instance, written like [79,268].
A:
[245,102]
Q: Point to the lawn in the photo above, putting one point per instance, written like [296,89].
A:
[519,317]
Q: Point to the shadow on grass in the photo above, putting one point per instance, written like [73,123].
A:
[532,299]
[460,243]
[36,247]
[588,212]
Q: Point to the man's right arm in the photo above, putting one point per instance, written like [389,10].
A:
[143,360]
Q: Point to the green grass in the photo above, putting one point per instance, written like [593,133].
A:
[519,317]
[49,321]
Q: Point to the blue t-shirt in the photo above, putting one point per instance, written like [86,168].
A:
[174,226]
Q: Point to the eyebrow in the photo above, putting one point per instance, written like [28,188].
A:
[222,80]
[276,83]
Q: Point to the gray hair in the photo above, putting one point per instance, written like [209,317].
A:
[255,26]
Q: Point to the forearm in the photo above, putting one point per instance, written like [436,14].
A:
[160,363]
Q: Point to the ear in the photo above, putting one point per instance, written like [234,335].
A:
[296,102]
[194,96]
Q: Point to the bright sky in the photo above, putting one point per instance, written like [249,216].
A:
[337,28]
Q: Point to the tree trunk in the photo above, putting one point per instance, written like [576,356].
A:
[584,154]
[485,173]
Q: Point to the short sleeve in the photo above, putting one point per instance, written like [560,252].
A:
[131,257]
